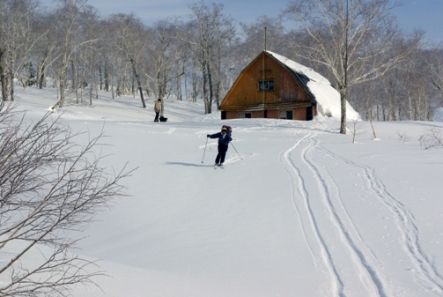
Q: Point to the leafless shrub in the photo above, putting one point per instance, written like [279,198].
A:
[48,186]
[356,129]
[433,138]
[403,136]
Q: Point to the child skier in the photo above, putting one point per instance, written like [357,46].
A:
[224,137]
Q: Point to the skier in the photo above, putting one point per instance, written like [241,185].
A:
[223,140]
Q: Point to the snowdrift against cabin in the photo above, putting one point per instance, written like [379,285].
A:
[273,86]
[327,97]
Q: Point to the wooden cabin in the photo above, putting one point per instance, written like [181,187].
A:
[272,86]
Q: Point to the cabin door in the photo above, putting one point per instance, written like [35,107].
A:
[309,113]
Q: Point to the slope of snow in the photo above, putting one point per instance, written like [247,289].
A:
[298,211]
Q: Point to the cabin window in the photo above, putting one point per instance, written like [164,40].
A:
[246,115]
[266,85]
[286,115]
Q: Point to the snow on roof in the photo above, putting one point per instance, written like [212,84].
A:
[327,97]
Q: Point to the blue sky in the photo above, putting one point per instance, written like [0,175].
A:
[424,14]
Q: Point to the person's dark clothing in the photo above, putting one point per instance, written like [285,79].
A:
[157,109]
[223,141]
[222,149]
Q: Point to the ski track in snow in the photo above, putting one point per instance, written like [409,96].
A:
[363,261]
[318,247]
[424,269]
[353,251]
[336,263]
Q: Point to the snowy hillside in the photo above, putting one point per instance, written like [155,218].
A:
[299,211]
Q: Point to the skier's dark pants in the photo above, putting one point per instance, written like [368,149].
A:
[156,116]
[222,149]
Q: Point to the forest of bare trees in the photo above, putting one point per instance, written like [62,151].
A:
[385,73]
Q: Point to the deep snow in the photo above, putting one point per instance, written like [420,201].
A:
[299,211]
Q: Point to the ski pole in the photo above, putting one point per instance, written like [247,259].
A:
[241,158]
[204,151]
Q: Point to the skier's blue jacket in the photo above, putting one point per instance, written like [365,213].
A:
[222,139]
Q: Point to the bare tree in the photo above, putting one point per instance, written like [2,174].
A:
[16,42]
[160,57]
[418,84]
[225,41]
[435,64]
[182,62]
[212,30]
[107,58]
[48,186]
[356,129]
[5,47]
[188,33]
[68,31]
[88,55]
[112,61]
[42,53]
[403,136]
[352,39]
[432,138]
[3,50]
[254,38]
[130,40]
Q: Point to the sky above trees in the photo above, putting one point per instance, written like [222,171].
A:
[423,14]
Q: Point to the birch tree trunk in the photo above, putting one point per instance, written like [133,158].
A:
[139,84]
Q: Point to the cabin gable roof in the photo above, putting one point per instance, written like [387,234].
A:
[290,86]
[296,86]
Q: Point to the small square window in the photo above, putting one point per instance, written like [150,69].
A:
[265,85]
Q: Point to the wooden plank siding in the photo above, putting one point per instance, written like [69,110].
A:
[289,94]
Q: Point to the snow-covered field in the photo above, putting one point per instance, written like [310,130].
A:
[299,211]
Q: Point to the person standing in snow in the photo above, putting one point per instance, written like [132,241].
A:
[157,109]
[223,140]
